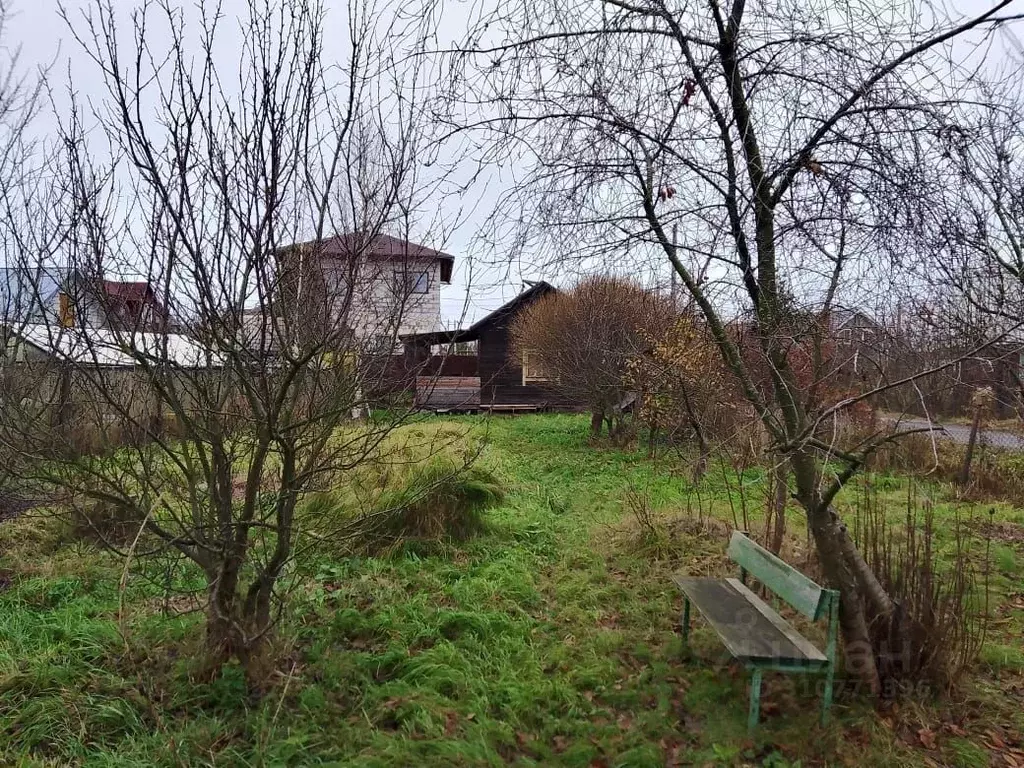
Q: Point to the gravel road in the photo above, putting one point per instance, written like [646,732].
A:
[961,433]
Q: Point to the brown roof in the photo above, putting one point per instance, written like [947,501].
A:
[383,246]
[380,246]
[127,290]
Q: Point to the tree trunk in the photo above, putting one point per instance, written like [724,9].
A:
[842,566]
[221,632]
[779,499]
[236,630]
[225,635]
[702,441]
[874,593]
[857,643]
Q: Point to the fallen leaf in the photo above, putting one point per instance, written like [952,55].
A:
[451,723]
[523,738]
[857,736]
[927,738]
[953,728]
[995,741]
[673,749]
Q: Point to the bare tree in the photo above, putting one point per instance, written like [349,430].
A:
[779,140]
[200,403]
[584,339]
[976,288]
[25,190]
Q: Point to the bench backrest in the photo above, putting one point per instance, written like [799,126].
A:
[782,579]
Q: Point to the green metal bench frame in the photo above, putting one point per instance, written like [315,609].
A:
[813,601]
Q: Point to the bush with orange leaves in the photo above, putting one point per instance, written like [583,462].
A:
[683,389]
[585,338]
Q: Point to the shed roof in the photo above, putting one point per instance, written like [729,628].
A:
[472,333]
[107,347]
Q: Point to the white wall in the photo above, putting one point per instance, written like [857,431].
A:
[379,307]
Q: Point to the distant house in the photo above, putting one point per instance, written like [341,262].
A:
[860,345]
[379,286]
[868,354]
[852,326]
[64,336]
[70,376]
[117,304]
[107,348]
[493,378]
[28,296]
[40,296]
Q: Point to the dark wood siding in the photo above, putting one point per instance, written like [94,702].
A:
[501,375]
[448,392]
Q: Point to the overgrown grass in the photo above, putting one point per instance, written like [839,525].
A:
[548,638]
[439,499]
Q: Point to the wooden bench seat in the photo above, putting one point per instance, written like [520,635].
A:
[752,632]
[748,627]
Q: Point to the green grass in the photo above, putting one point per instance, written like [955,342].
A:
[549,638]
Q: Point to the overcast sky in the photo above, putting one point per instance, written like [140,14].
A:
[36,26]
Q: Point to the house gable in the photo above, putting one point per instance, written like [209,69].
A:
[381,286]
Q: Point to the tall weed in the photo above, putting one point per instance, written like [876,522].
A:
[941,594]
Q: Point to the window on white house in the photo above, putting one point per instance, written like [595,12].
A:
[409,283]
[383,345]
[532,371]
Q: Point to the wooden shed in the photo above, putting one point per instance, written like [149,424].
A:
[502,383]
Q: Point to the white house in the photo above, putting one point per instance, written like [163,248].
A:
[381,287]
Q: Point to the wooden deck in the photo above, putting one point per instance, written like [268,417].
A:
[448,393]
[514,407]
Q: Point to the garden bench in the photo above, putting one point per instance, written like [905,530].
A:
[752,632]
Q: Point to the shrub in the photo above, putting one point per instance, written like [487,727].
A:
[439,500]
[940,621]
[995,474]
[667,535]
[684,392]
[582,341]
[430,501]
[105,524]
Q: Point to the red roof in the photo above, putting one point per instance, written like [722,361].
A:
[140,291]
